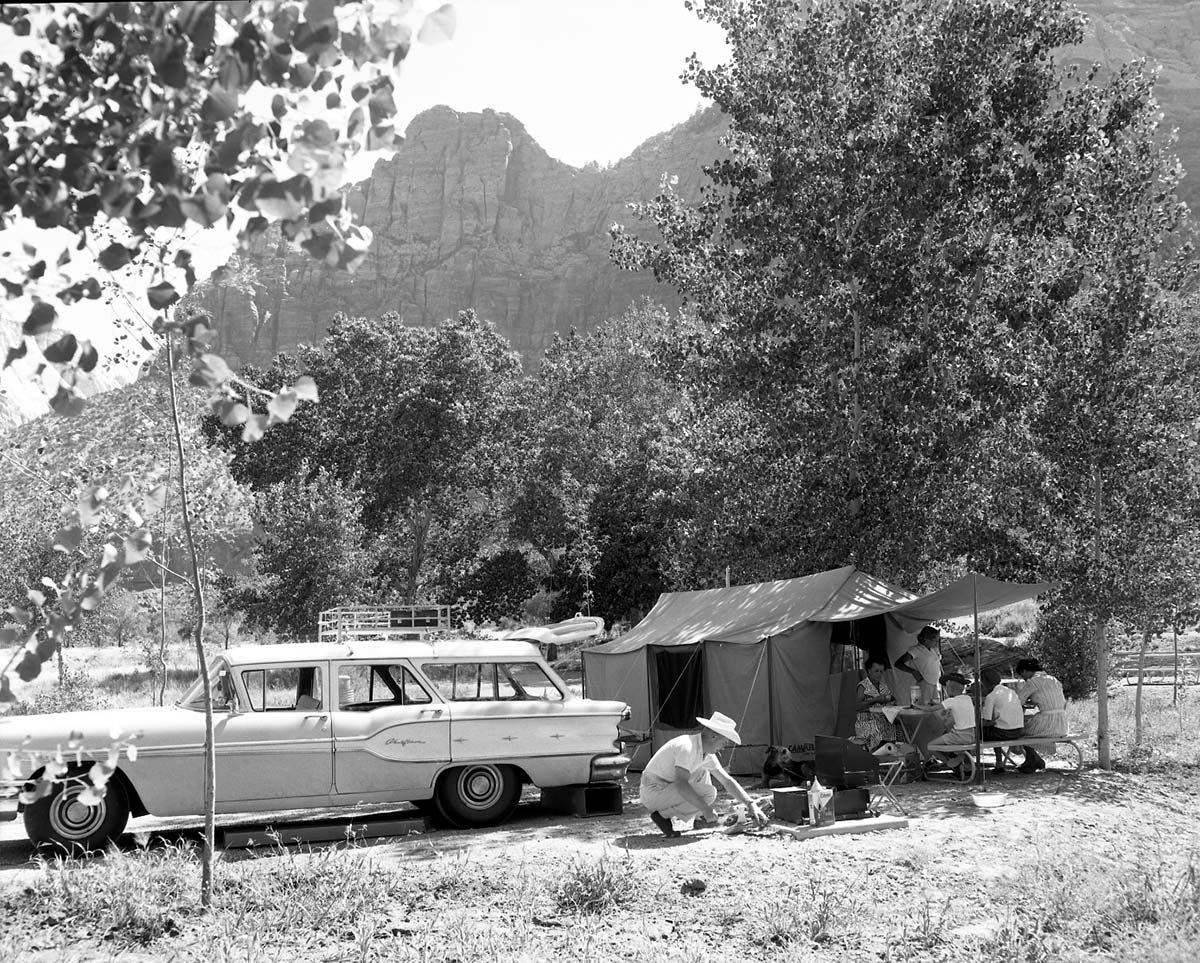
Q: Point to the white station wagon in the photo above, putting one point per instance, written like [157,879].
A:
[457,725]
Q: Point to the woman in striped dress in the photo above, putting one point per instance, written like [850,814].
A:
[872,728]
[1043,692]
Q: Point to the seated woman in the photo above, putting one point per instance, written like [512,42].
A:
[677,783]
[1045,693]
[1003,715]
[872,728]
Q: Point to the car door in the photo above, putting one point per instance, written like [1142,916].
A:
[391,734]
[278,745]
[494,716]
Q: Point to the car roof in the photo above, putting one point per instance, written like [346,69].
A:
[490,649]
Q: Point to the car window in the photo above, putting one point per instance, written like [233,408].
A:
[363,687]
[531,681]
[284,687]
[491,681]
[224,697]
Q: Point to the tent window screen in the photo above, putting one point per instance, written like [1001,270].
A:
[680,687]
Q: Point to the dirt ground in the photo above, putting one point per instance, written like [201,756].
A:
[948,883]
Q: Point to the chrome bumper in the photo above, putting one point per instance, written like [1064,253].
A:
[609,768]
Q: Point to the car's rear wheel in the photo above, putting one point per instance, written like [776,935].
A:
[479,795]
[61,820]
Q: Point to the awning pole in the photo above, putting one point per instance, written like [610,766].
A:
[979,776]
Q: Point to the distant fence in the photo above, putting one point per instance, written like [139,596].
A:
[1159,668]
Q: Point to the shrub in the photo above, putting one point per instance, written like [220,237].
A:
[1012,620]
[594,888]
[78,692]
[1061,640]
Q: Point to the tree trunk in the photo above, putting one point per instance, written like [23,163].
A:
[1137,698]
[1175,646]
[1102,738]
[207,857]
[160,667]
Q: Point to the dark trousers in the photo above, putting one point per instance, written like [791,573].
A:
[996,734]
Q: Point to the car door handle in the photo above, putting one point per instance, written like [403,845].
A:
[430,712]
[324,718]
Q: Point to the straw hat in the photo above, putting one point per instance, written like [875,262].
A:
[722,725]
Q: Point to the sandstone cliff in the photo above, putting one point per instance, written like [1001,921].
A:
[472,213]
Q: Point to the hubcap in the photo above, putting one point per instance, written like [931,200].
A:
[71,819]
[481,787]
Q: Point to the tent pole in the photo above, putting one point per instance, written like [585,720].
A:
[979,777]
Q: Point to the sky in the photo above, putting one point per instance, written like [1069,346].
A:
[589,79]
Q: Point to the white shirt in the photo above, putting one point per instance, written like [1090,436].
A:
[926,661]
[1002,708]
[683,751]
[962,707]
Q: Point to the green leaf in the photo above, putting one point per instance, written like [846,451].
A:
[282,406]
[233,413]
[62,351]
[439,26]
[88,357]
[66,403]
[161,295]
[254,428]
[115,256]
[41,319]
[219,105]
[137,546]
[305,388]
[68,538]
[30,666]
[88,288]
[15,352]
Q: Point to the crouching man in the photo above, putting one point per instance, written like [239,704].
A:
[677,781]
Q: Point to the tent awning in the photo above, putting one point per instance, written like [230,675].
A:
[747,614]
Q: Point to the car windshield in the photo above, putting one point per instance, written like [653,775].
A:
[223,697]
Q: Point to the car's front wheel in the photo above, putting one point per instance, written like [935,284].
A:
[479,795]
[62,820]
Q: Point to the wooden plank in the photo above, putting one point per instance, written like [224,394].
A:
[849,827]
[323,831]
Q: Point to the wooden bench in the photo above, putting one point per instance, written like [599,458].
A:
[965,770]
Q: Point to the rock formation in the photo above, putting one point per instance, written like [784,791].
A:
[472,213]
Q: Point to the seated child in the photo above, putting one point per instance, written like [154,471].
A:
[958,712]
[1003,713]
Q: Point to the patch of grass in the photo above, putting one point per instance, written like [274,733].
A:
[595,887]
[130,899]
[807,915]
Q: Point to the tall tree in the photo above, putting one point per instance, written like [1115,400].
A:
[594,494]
[879,259]
[414,420]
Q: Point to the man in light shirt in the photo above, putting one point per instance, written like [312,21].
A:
[958,713]
[924,662]
[1043,692]
[1003,715]
[677,783]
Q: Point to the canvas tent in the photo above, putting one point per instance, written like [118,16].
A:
[768,654]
